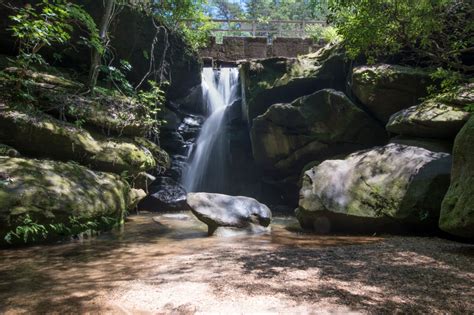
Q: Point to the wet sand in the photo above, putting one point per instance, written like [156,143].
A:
[169,266]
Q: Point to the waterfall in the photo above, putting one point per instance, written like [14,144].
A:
[207,160]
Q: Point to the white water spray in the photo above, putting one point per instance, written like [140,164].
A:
[207,161]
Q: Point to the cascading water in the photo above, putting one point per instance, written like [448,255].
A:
[207,160]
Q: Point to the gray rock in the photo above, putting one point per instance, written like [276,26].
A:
[237,213]
[440,117]
[317,126]
[278,80]
[386,89]
[397,184]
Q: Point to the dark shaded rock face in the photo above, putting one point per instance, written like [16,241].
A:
[313,127]
[133,34]
[223,211]
[391,186]
[386,89]
[457,211]
[165,194]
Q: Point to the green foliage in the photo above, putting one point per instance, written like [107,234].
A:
[27,231]
[435,31]
[118,77]
[152,99]
[45,24]
[469,108]
[197,34]
[31,231]
[327,34]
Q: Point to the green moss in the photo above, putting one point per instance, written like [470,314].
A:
[43,136]
[51,192]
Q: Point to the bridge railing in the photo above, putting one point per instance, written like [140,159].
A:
[269,29]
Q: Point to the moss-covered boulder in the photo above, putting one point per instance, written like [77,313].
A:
[40,135]
[375,190]
[440,117]
[457,211]
[386,89]
[51,192]
[317,126]
[279,80]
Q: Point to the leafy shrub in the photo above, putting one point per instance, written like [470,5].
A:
[327,34]
[435,32]
[32,231]
[48,23]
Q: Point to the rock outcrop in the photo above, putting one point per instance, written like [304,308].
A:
[223,213]
[441,117]
[373,190]
[51,192]
[277,80]
[41,135]
[386,89]
[317,126]
[457,211]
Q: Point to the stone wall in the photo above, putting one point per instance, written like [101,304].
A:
[237,48]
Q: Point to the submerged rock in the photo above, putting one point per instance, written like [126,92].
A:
[373,190]
[8,151]
[386,89]
[52,192]
[317,126]
[164,194]
[441,117]
[226,214]
[41,135]
[457,211]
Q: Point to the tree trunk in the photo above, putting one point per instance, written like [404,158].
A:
[96,54]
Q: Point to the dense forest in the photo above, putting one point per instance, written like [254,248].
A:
[318,155]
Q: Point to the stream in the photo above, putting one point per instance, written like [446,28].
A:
[166,264]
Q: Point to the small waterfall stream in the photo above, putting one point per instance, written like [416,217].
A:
[207,160]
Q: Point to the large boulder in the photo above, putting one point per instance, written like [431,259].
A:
[278,80]
[386,89]
[164,194]
[440,117]
[51,192]
[223,213]
[41,135]
[457,211]
[374,190]
[317,126]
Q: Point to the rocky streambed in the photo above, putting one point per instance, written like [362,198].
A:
[167,264]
